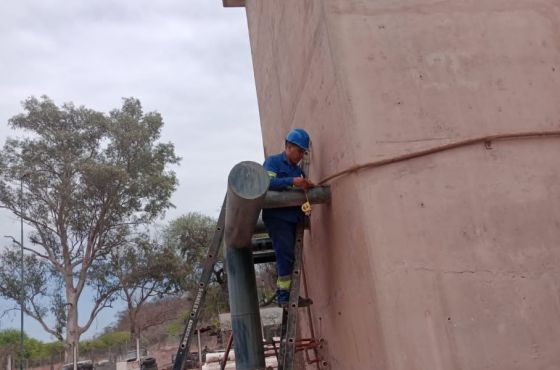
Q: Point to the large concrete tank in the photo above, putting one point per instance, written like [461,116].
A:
[450,260]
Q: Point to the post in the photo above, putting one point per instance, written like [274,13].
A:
[247,186]
[75,355]
[22,286]
[199,350]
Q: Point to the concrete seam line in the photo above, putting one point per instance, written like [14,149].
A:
[441,148]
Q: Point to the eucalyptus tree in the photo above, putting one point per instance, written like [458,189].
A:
[146,269]
[87,179]
[191,235]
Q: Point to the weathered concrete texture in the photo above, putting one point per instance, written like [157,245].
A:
[448,261]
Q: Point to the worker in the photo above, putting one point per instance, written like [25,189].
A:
[285,174]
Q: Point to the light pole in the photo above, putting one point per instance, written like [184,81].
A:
[22,293]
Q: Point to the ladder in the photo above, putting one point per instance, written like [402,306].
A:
[289,315]
[288,343]
[208,268]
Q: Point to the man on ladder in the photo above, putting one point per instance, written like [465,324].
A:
[281,223]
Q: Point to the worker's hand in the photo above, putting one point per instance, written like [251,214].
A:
[302,183]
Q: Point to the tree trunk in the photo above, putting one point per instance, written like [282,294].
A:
[138,349]
[72,329]
[132,323]
[136,331]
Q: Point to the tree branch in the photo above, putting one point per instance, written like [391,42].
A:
[37,316]
[100,303]
[44,256]
[7,310]
[28,219]
[145,296]
[163,319]
[13,240]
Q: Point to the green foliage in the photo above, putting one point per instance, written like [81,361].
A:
[191,236]
[33,349]
[216,303]
[88,179]
[105,341]
[53,348]
[11,336]
[113,339]
[175,328]
[37,272]
[146,269]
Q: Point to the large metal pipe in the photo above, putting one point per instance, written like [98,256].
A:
[290,198]
[277,199]
[247,186]
[246,196]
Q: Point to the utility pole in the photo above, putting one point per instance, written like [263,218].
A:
[22,293]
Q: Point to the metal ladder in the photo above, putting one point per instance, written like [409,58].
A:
[289,344]
[207,270]
[289,315]
[259,256]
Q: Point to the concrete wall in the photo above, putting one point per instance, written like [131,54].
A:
[449,261]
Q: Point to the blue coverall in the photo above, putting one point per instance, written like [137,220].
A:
[281,222]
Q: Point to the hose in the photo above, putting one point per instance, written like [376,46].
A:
[404,157]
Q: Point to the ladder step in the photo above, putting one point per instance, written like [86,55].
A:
[265,256]
[289,317]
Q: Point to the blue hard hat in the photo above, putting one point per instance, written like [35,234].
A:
[299,137]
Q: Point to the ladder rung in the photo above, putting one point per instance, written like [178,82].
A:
[289,318]
[265,256]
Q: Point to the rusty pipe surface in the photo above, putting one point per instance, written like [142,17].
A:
[247,186]
[291,198]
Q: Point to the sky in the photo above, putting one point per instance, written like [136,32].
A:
[190,60]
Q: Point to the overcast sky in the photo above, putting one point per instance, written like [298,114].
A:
[189,60]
